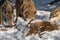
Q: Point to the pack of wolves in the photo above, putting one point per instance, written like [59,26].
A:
[26,10]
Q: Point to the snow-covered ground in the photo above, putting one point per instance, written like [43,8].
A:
[43,12]
[14,34]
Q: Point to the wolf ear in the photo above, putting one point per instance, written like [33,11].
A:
[28,25]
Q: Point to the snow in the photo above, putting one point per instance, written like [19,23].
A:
[14,34]
[43,12]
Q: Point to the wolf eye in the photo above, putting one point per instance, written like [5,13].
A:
[27,14]
[35,12]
